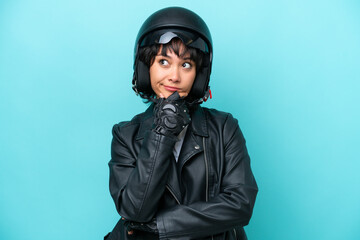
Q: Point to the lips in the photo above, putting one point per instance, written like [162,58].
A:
[171,89]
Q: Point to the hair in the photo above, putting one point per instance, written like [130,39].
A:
[147,55]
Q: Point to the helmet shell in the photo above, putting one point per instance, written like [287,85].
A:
[174,18]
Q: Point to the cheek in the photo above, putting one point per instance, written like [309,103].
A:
[153,76]
[154,85]
[156,73]
[155,79]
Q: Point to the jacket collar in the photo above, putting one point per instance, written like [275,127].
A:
[198,123]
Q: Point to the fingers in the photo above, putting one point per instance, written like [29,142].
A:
[174,96]
[129,232]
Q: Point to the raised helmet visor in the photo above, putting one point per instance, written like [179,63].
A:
[164,36]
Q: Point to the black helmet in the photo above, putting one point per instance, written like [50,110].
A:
[160,28]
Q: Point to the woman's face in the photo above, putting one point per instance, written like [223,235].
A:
[171,73]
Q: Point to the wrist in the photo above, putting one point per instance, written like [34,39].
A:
[163,131]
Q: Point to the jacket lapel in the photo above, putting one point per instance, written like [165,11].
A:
[193,140]
[191,146]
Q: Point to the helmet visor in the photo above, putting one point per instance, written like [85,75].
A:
[164,36]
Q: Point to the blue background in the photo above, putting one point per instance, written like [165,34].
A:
[288,70]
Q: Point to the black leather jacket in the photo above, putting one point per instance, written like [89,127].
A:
[208,194]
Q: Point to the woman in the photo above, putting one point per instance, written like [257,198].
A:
[178,170]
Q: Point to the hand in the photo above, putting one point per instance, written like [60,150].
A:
[171,115]
[150,227]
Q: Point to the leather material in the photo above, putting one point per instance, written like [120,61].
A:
[208,194]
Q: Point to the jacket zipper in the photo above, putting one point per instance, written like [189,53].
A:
[172,193]
[207,175]
[206,171]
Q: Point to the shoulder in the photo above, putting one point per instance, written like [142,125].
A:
[220,117]
[225,123]
[129,127]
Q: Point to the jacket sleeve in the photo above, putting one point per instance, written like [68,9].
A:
[138,182]
[230,208]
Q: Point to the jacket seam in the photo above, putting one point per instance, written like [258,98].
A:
[150,177]
[234,132]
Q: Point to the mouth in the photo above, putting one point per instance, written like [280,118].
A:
[171,89]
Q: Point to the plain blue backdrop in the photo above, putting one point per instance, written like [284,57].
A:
[288,70]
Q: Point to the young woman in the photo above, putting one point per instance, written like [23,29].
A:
[178,170]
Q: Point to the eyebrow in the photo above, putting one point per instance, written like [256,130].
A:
[186,58]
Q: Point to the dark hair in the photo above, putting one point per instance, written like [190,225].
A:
[147,55]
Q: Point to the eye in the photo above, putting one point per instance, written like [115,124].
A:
[187,65]
[163,62]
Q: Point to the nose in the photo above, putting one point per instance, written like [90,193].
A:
[174,75]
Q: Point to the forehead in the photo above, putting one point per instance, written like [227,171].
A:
[177,47]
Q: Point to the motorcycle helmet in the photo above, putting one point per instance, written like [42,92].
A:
[160,28]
